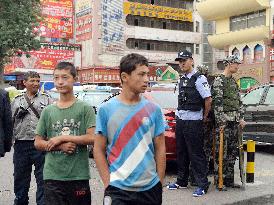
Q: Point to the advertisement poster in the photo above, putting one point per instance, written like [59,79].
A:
[57,19]
[46,58]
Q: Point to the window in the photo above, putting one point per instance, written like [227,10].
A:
[247,55]
[258,53]
[197,28]
[269,100]
[197,49]
[254,97]
[136,45]
[136,22]
[164,25]
[236,52]
[142,44]
[148,46]
[151,22]
[151,1]
[248,20]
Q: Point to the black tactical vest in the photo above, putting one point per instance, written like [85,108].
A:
[189,98]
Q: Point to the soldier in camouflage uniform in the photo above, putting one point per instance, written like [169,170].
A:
[208,125]
[229,114]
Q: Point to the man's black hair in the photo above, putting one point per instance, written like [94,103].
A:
[30,74]
[67,66]
[129,62]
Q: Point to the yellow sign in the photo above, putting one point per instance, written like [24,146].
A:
[162,12]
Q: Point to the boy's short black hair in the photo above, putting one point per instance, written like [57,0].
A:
[129,62]
[67,66]
[30,74]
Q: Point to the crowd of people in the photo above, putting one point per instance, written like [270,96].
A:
[127,133]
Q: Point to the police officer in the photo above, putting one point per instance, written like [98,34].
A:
[229,115]
[194,102]
[26,110]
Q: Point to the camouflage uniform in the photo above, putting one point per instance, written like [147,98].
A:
[208,126]
[228,110]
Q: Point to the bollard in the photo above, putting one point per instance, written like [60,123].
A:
[250,165]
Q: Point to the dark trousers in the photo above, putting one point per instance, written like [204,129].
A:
[25,155]
[189,146]
[67,192]
[116,196]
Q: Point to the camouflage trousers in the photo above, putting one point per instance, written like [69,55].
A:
[230,153]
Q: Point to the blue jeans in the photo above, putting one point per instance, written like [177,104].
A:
[25,155]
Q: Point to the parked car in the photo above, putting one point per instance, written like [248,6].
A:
[259,114]
[167,100]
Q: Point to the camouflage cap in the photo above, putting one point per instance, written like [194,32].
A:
[231,59]
[203,69]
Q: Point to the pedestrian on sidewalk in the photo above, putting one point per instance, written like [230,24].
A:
[229,115]
[194,102]
[5,123]
[130,144]
[26,110]
[64,131]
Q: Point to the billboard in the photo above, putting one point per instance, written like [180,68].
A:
[46,58]
[155,11]
[83,26]
[112,26]
[57,19]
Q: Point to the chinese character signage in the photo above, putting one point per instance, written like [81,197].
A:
[57,19]
[83,20]
[46,58]
[161,12]
[83,7]
[99,75]
[112,26]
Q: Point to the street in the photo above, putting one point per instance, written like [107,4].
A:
[261,192]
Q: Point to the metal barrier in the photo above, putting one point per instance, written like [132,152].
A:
[250,165]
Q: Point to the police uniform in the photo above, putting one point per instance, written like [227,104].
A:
[25,154]
[193,89]
[228,111]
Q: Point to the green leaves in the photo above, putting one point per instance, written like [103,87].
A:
[17,21]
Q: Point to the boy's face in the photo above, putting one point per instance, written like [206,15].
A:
[63,81]
[137,81]
[32,84]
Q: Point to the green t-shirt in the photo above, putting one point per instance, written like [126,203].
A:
[75,120]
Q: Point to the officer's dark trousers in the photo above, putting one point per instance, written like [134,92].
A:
[189,146]
[25,155]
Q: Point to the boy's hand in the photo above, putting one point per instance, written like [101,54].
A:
[53,142]
[68,147]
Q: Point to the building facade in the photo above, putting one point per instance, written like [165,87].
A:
[157,29]
[242,28]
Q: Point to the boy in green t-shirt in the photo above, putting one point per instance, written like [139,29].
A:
[64,131]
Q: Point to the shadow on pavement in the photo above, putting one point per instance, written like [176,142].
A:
[263,200]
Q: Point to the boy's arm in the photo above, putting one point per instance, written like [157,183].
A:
[86,139]
[41,144]
[160,156]
[100,158]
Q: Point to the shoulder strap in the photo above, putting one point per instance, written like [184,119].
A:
[31,106]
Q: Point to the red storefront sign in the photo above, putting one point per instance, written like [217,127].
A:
[57,19]
[83,28]
[99,75]
[109,75]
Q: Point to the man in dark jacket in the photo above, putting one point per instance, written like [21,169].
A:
[5,123]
